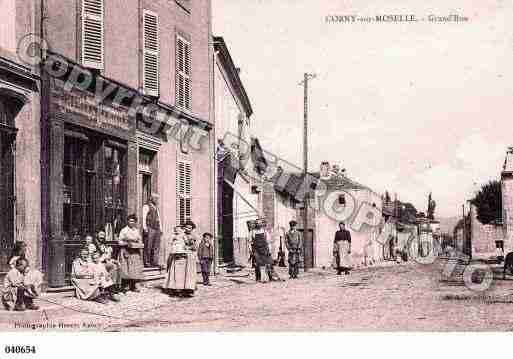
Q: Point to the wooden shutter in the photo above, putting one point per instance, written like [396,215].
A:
[92,33]
[151,53]
[184,191]
[183,73]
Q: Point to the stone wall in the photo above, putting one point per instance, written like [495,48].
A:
[483,236]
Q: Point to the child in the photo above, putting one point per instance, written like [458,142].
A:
[20,288]
[102,278]
[206,256]
[90,246]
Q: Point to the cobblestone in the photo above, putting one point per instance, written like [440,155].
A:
[396,297]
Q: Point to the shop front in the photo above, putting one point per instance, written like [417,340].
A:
[91,154]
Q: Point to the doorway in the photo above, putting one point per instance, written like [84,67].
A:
[7,194]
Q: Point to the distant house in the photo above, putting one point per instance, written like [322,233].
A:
[333,197]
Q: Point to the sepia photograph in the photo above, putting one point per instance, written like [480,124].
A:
[257,166]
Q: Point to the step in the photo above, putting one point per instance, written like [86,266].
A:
[150,274]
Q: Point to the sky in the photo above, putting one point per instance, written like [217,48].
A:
[411,108]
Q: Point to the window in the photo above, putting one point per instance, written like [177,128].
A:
[151,53]
[92,33]
[79,186]
[94,185]
[183,73]
[114,188]
[183,191]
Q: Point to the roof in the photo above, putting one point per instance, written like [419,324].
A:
[233,73]
[293,184]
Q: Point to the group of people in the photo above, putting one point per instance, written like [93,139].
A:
[100,276]
[262,260]
[97,275]
[261,257]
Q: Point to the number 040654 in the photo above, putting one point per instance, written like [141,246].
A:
[20,349]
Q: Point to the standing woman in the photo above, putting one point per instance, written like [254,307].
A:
[130,254]
[342,249]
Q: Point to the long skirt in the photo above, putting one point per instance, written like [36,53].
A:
[182,273]
[86,288]
[131,263]
[342,258]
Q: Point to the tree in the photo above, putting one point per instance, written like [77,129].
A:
[387,197]
[431,207]
[488,201]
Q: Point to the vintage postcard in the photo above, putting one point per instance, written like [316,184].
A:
[257,165]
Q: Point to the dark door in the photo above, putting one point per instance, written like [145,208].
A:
[226,242]
[146,188]
[7,197]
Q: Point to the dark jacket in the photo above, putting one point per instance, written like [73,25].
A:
[205,251]
[293,241]
[342,235]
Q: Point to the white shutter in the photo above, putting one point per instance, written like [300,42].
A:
[184,191]
[92,33]
[183,73]
[150,53]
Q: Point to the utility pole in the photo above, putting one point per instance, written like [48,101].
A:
[464,244]
[307,77]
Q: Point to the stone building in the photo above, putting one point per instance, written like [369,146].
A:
[237,188]
[127,111]
[20,146]
[333,197]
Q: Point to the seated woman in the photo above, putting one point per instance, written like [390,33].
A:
[21,287]
[111,265]
[83,279]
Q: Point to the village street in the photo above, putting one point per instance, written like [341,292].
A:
[394,297]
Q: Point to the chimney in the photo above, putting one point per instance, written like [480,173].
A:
[325,169]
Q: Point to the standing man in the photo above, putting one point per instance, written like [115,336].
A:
[152,232]
[294,245]
[342,249]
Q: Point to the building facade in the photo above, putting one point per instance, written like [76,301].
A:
[20,177]
[238,195]
[126,112]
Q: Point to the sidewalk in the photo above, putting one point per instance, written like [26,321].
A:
[65,310]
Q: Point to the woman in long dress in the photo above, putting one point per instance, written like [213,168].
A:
[181,274]
[82,278]
[130,254]
[342,250]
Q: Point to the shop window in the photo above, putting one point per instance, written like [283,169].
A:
[94,186]
[114,190]
[79,186]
